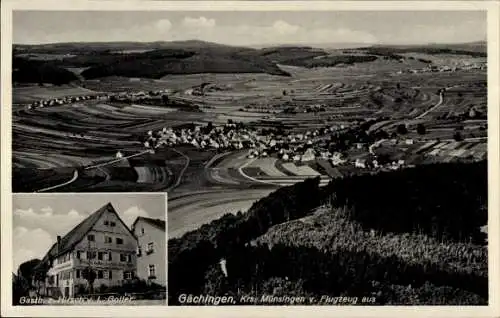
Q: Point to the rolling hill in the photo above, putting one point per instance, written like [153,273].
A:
[49,62]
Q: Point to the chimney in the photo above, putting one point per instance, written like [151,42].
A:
[58,242]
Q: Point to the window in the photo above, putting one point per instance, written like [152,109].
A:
[91,237]
[129,258]
[110,274]
[139,251]
[91,255]
[78,255]
[105,274]
[112,224]
[142,231]
[150,249]
[127,275]
[152,270]
[100,256]
[110,256]
[108,239]
[77,274]
[100,274]
[123,258]
[106,222]
[119,241]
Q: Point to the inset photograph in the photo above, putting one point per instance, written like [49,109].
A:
[89,249]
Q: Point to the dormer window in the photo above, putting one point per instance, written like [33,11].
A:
[112,224]
[91,237]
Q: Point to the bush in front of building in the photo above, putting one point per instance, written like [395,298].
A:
[140,289]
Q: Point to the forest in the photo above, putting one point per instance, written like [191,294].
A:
[438,207]
[29,71]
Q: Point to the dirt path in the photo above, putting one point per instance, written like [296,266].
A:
[73,179]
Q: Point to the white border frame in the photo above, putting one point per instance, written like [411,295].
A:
[492,310]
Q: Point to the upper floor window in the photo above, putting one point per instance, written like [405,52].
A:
[150,249]
[91,237]
[106,222]
[139,251]
[112,224]
[142,231]
[78,255]
[119,240]
[108,239]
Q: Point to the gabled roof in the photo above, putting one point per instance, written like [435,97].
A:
[155,222]
[73,237]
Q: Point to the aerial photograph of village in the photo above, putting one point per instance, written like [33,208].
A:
[309,158]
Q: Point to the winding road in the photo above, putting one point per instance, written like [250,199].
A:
[179,178]
[432,108]
[97,166]
[73,179]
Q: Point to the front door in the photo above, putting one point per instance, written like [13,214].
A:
[66,291]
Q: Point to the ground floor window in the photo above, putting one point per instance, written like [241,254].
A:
[152,270]
[127,275]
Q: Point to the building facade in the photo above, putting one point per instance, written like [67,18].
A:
[101,244]
[151,251]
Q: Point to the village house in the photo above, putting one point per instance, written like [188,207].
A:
[101,244]
[360,163]
[151,251]
[308,155]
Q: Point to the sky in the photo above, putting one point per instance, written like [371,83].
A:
[39,219]
[251,28]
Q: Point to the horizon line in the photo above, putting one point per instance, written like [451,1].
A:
[251,45]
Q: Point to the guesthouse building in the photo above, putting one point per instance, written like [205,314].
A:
[101,246]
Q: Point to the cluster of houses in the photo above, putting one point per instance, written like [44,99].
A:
[374,164]
[64,100]
[234,137]
[121,96]
[222,137]
[103,247]
[446,68]
[299,147]
[136,96]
